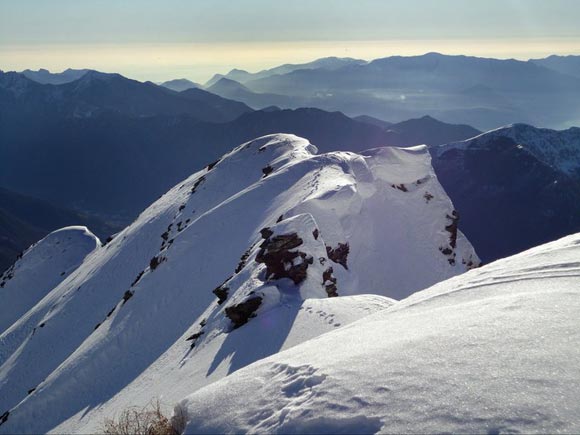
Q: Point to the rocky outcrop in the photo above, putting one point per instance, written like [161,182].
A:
[240,314]
[339,254]
[281,260]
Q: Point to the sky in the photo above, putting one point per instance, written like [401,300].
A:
[164,39]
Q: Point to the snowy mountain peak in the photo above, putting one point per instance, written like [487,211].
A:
[261,250]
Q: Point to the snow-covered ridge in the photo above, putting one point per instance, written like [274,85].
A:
[558,149]
[490,351]
[39,269]
[232,265]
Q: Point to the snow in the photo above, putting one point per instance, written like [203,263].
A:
[493,350]
[118,332]
[42,267]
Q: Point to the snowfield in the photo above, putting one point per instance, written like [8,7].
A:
[492,351]
[269,247]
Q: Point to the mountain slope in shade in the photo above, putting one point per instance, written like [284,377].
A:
[430,131]
[490,351]
[514,187]
[179,85]
[232,265]
[373,121]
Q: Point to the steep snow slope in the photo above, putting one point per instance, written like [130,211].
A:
[41,268]
[494,350]
[168,305]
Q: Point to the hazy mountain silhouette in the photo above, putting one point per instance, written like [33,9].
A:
[44,76]
[179,85]
[485,93]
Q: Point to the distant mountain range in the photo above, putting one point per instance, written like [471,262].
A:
[179,85]
[95,93]
[485,93]
[482,92]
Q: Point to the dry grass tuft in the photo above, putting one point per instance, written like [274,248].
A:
[145,421]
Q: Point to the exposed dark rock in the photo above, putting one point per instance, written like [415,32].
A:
[4,417]
[244,259]
[322,260]
[280,261]
[266,232]
[96,326]
[452,228]
[428,197]
[194,337]
[221,292]
[62,273]
[181,207]
[32,390]
[339,254]
[155,261]
[329,282]
[240,314]
[401,187]
[267,171]
[42,325]
[111,312]
[137,278]
[109,240]
[446,251]
[197,184]
[127,295]
[315,233]
[211,165]
[280,218]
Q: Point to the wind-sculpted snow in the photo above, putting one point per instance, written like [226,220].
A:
[491,351]
[243,259]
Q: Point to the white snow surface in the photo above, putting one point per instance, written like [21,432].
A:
[492,351]
[41,268]
[115,331]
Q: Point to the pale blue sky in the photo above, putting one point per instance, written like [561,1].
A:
[162,39]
